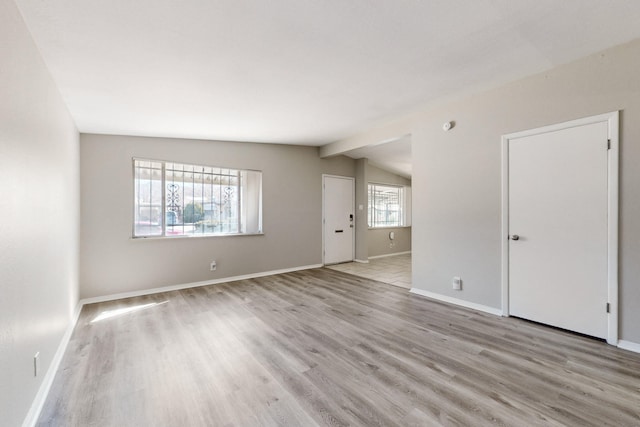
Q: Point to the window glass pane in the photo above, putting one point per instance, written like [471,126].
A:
[386,206]
[251,201]
[147,199]
[195,200]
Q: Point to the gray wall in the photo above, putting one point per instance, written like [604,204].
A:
[362,226]
[111,262]
[378,239]
[381,176]
[380,244]
[456,174]
[40,214]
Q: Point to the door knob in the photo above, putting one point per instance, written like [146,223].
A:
[514,237]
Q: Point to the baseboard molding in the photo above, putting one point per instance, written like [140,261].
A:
[629,345]
[361,261]
[388,255]
[456,301]
[151,291]
[38,402]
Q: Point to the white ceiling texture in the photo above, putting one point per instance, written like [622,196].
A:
[304,72]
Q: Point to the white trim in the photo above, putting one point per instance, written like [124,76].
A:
[504,278]
[388,255]
[362,261]
[43,391]
[456,301]
[629,345]
[353,209]
[190,236]
[391,227]
[193,284]
[612,120]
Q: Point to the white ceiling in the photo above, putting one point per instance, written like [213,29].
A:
[394,156]
[299,71]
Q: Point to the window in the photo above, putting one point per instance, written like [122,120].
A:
[176,199]
[387,206]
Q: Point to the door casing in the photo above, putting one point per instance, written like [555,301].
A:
[612,120]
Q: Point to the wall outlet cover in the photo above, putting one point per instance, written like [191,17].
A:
[35,364]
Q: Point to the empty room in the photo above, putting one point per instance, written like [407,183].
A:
[320,213]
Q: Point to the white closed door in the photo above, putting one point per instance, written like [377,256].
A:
[338,219]
[558,229]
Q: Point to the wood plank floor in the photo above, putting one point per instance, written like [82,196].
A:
[321,347]
[395,270]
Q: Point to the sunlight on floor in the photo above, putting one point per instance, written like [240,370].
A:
[395,270]
[109,314]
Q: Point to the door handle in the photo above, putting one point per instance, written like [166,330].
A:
[514,237]
[339,231]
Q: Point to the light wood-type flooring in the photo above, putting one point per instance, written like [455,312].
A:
[395,270]
[321,347]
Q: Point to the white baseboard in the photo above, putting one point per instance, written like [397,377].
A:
[361,261]
[629,345]
[151,291]
[456,301]
[38,402]
[388,255]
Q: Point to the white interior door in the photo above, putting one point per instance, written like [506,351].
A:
[339,199]
[558,228]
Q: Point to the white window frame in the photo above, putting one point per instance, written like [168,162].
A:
[254,204]
[404,203]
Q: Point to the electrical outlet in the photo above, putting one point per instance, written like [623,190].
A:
[213,266]
[457,283]
[35,364]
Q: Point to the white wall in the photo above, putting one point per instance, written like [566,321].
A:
[39,207]
[456,174]
[111,262]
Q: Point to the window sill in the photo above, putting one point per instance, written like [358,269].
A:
[180,237]
[389,227]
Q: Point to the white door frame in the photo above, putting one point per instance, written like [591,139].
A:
[353,199]
[612,210]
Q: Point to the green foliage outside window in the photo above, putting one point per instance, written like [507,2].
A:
[193,212]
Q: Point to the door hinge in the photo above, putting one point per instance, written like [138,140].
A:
[608,144]
[608,308]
